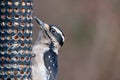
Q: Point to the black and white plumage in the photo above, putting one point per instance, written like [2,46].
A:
[45,63]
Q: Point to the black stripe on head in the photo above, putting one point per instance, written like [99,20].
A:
[59,38]
[58,35]
[51,26]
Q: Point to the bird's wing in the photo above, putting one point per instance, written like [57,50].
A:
[50,58]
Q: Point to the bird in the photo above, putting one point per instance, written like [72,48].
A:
[45,49]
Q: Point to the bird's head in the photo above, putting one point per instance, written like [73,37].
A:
[51,34]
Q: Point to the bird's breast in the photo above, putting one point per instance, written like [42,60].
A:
[39,71]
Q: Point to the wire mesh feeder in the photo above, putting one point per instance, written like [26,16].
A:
[15,39]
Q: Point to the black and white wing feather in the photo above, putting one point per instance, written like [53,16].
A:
[50,58]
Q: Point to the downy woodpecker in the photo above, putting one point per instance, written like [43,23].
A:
[49,41]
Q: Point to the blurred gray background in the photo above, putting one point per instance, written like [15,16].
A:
[92,31]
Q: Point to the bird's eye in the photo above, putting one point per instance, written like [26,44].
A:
[53,30]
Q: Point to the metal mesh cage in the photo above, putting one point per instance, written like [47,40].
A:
[15,39]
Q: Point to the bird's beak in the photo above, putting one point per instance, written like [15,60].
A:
[43,25]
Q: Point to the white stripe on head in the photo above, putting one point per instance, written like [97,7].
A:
[58,31]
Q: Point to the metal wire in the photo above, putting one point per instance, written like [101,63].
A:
[15,39]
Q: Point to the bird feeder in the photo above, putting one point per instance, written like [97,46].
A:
[15,39]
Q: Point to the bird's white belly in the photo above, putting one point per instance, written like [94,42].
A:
[39,71]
